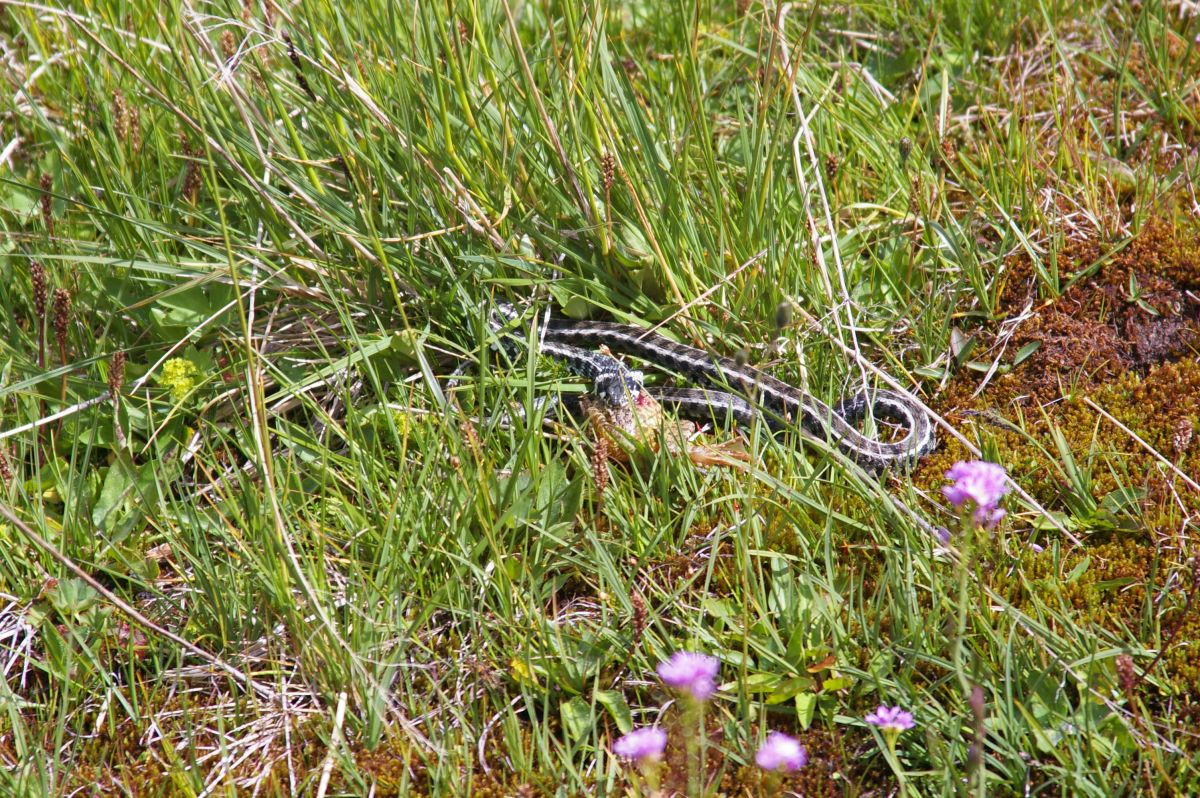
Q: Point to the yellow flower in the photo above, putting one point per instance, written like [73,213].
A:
[179,376]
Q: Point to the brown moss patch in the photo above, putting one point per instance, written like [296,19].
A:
[1130,352]
[390,767]
[393,769]
[828,774]
[115,761]
[1124,308]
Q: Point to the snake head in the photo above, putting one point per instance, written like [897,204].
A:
[618,387]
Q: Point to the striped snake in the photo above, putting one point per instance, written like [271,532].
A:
[733,390]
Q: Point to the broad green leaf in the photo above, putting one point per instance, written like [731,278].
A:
[806,707]
[576,717]
[618,709]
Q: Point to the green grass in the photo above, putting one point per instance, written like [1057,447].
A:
[411,590]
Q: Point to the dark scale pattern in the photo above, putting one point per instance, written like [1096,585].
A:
[738,391]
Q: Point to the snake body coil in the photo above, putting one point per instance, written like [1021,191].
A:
[734,390]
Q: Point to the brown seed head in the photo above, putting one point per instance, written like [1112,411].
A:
[135,128]
[600,468]
[297,66]
[608,168]
[1127,675]
[228,45]
[127,121]
[639,613]
[191,175]
[832,162]
[949,152]
[41,290]
[116,374]
[120,114]
[62,316]
[47,185]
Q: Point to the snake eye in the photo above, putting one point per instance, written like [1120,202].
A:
[619,387]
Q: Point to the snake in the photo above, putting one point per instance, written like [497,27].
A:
[731,389]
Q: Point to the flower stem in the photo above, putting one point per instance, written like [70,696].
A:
[889,753]
[694,738]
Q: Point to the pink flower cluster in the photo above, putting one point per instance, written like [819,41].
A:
[694,674]
[980,484]
[781,754]
[642,745]
[893,719]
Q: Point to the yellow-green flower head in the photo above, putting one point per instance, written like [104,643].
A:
[179,376]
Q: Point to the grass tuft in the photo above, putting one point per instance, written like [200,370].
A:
[280,520]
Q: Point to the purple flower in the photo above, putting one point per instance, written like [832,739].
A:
[982,484]
[690,672]
[781,753]
[642,745]
[891,719]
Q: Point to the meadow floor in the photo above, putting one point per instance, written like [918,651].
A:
[272,521]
